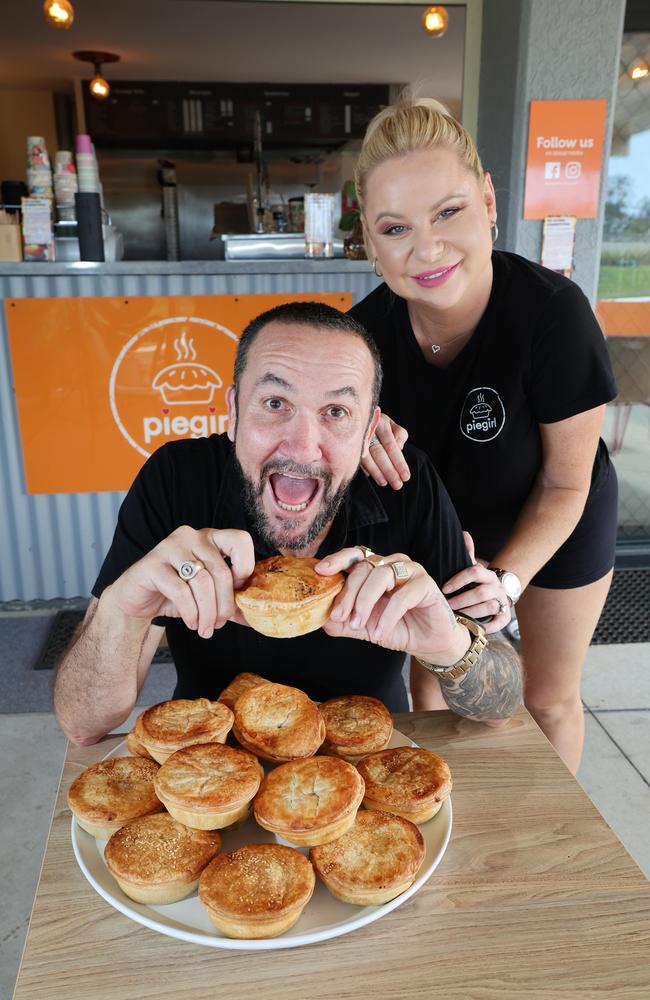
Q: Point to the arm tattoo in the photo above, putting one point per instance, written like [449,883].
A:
[492,689]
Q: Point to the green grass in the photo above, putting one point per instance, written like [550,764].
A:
[623,282]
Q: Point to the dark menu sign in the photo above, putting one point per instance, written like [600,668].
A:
[168,114]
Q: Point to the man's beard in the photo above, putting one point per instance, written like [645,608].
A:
[283,537]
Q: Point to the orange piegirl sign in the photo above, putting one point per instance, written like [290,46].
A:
[102,382]
[565,154]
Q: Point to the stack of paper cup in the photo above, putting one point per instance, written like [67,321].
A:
[65,185]
[86,164]
[39,171]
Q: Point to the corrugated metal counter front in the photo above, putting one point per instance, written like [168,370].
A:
[53,544]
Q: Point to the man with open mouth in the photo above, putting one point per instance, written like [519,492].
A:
[285,479]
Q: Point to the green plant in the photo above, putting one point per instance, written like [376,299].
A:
[350,219]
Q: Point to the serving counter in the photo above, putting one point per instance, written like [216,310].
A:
[53,542]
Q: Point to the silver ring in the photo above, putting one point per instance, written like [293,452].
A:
[189,569]
[374,441]
[401,571]
[502,607]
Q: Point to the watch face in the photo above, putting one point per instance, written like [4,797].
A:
[512,586]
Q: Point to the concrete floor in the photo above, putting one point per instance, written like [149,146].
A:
[615,774]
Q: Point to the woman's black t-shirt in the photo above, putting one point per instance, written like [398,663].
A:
[536,356]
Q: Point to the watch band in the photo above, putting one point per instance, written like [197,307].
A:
[466,662]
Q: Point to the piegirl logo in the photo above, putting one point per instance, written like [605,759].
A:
[169,382]
[166,362]
[483,414]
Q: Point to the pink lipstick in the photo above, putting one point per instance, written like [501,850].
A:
[432,279]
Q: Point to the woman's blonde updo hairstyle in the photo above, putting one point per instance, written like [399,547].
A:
[412,123]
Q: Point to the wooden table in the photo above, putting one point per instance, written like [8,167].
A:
[534,898]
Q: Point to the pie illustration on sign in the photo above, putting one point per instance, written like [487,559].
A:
[186,382]
[169,381]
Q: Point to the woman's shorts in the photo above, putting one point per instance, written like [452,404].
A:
[588,553]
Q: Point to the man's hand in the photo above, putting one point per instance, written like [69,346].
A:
[412,616]
[153,587]
[384,461]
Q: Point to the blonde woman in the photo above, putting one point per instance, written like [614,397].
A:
[496,367]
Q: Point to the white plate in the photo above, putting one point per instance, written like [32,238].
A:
[324,916]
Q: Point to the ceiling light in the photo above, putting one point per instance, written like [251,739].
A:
[59,13]
[638,70]
[98,86]
[435,21]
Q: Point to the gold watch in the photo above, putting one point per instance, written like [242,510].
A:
[466,662]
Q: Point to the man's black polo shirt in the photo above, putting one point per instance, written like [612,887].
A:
[197,483]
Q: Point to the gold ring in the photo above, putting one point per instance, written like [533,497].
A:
[400,571]
[365,552]
[375,560]
[189,569]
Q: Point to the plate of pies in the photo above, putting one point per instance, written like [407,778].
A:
[248,847]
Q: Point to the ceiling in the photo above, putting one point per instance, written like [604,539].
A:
[209,41]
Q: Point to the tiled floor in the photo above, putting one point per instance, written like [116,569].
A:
[615,770]
[615,773]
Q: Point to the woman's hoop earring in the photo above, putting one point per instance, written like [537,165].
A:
[495,232]
[376,266]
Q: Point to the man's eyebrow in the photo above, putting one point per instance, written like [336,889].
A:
[346,390]
[397,215]
[270,379]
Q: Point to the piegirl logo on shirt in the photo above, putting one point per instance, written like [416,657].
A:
[483,414]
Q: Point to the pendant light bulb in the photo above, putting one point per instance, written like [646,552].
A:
[435,21]
[638,70]
[59,13]
[98,86]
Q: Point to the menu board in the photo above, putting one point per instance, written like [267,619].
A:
[170,114]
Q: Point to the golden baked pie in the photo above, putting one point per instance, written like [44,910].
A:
[257,891]
[409,781]
[355,725]
[113,792]
[133,743]
[167,727]
[286,597]
[310,801]
[278,723]
[238,686]
[208,786]
[158,860]
[376,860]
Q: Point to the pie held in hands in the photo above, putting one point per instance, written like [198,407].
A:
[286,597]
